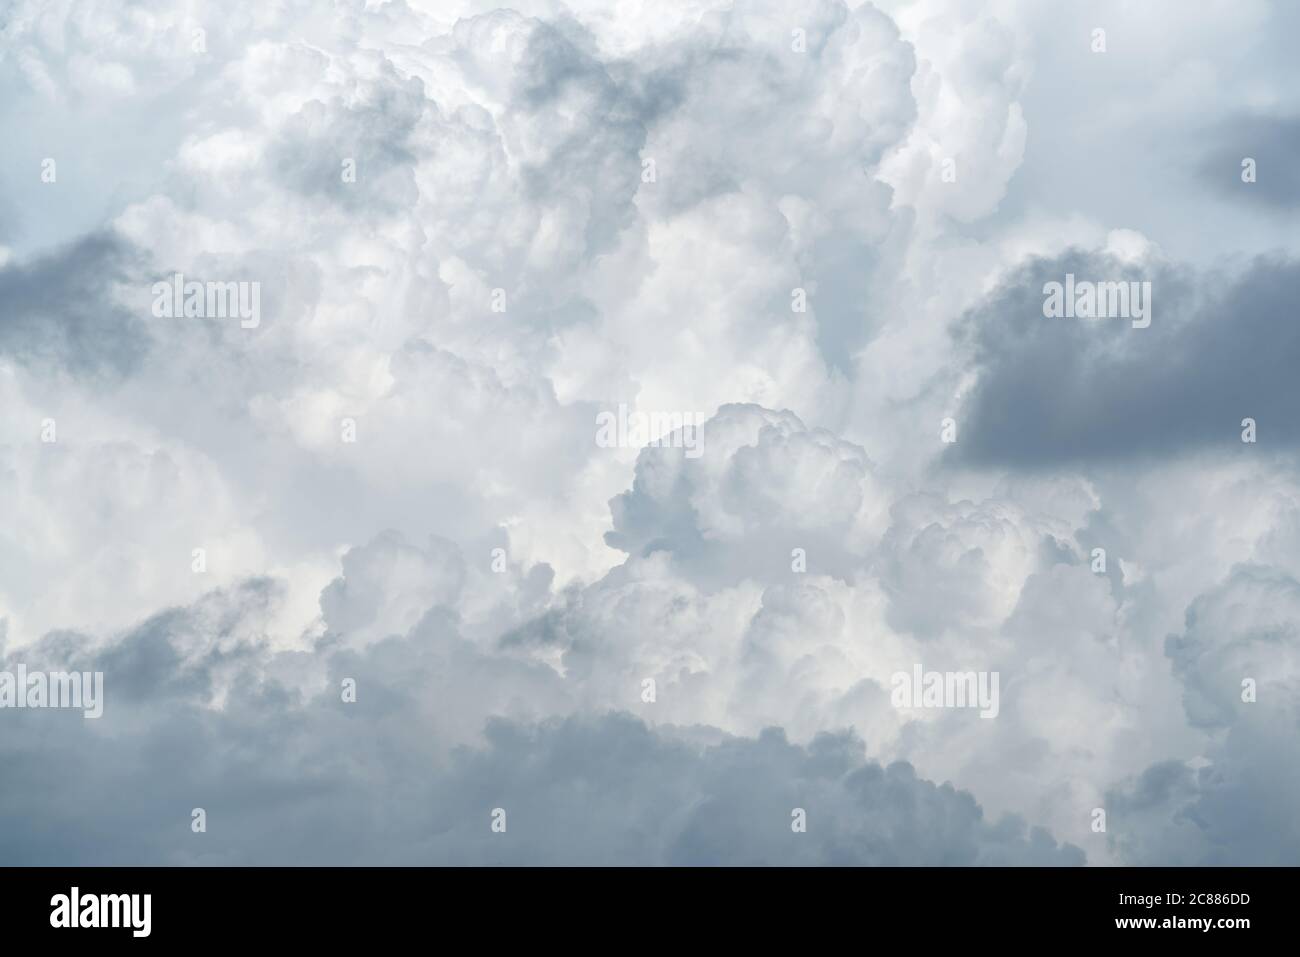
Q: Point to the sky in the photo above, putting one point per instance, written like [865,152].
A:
[626,395]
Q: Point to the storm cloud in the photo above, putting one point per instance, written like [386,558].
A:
[1220,348]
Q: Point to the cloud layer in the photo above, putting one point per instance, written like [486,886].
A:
[825,230]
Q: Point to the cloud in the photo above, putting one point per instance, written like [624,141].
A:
[1067,391]
[567,208]
[767,484]
[63,313]
[1268,140]
[288,774]
[1232,805]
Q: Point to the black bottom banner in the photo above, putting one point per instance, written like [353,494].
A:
[335,906]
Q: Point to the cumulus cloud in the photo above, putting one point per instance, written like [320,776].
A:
[287,772]
[823,230]
[1238,660]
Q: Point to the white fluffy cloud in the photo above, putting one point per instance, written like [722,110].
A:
[561,209]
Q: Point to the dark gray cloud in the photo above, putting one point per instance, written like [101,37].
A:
[1238,810]
[293,778]
[1054,390]
[1272,142]
[60,310]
